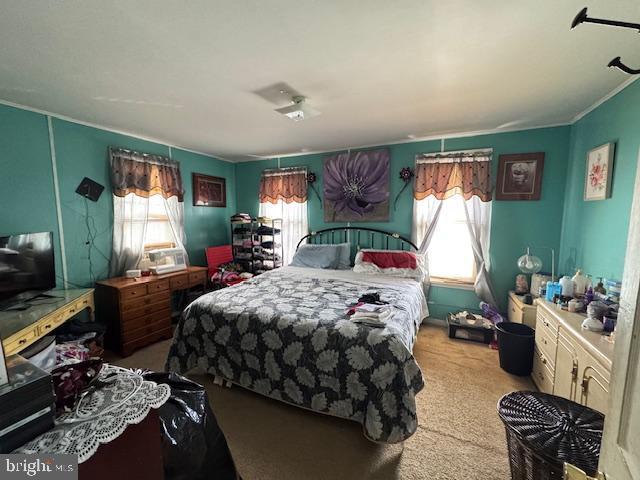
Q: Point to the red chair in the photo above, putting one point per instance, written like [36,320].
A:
[217,256]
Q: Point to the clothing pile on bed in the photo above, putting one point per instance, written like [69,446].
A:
[370,310]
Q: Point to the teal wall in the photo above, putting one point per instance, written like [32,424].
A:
[515,225]
[594,235]
[27,195]
[591,235]
[27,201]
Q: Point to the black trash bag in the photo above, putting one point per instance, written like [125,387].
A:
[193,446]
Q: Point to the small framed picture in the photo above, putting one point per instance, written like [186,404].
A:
[209,191]
[520,176]
[597,182]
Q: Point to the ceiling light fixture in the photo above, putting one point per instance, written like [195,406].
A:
[298,110]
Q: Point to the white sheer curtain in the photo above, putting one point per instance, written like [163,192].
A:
[130,216]
[425,219]
[478,215]
[294,224]
[175,214]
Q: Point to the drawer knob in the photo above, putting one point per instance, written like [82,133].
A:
[22,341]
[544,360]
[47,326]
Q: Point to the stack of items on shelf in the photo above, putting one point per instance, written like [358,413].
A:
[256,242]
[27,404]
[241,218]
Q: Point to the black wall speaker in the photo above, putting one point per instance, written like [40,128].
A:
[90,189]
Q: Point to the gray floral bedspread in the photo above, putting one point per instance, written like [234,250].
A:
[285,334]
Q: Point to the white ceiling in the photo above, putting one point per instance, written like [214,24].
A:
[194,73]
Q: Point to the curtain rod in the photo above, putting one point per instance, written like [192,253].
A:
[140,156]
[275,171]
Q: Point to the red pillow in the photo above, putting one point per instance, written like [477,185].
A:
[391,259]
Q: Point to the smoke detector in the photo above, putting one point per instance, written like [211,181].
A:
[299,109]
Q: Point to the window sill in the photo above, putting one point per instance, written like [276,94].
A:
[446,283]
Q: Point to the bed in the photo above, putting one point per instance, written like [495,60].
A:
[284,334]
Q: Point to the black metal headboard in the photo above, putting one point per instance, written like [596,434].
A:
[363,238]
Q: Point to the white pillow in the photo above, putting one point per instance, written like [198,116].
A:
[417,273]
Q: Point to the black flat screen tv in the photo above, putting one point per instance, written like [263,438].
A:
[26,264]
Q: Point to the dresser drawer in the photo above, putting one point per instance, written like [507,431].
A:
[542,375]
[547,322]
[197,278]
[48,324]
[20,341]
[161,315]
[132,313]
[129,293]
[158,286]
[546,344]
[180,282]
[129,346]
[155,322]
[144,301]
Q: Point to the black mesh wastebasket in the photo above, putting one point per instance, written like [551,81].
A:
[544,431]
[515,347]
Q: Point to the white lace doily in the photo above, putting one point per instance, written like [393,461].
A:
[101,416]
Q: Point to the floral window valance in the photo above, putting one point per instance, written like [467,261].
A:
[144,174]
[445,174]
[286,184]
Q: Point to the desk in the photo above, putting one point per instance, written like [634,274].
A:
[21,328]
[137,311]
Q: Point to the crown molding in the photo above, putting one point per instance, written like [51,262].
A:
[440,137]
[257,158]
[108,129]
[609,95]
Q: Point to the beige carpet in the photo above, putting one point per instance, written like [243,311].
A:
[459,435]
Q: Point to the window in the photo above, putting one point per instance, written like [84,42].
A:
[158,232]
[450,252]
[294,224]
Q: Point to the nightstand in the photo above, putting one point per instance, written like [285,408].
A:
[520,312]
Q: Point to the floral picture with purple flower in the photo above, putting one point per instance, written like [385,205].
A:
[356,186]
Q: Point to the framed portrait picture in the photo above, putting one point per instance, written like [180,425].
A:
[597,182]
[209,191]
[520,176]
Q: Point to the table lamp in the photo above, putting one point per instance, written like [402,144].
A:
[530,264]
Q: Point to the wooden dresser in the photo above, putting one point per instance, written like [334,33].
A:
[137,311]
[568,361]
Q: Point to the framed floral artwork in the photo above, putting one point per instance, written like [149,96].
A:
[209,191]
[597,183]
[356,186]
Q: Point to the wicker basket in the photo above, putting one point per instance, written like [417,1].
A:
[544,431]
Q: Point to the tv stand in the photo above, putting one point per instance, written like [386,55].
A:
[21,328]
